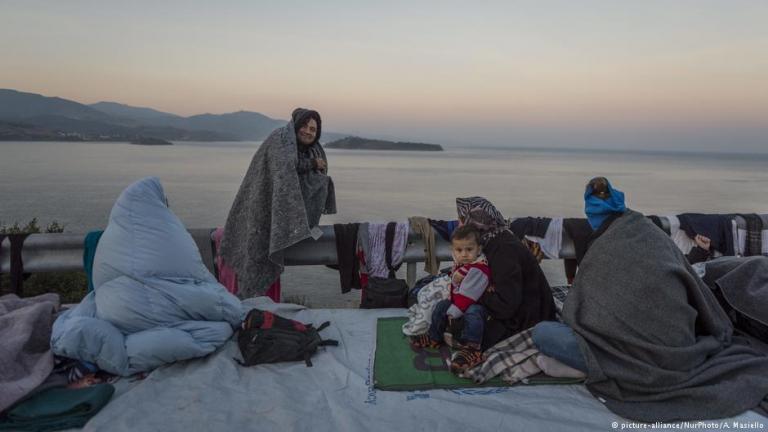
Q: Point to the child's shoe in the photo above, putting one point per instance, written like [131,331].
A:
[465,359]
[424,341]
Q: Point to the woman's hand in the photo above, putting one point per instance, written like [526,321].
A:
[702,241]
[321,165]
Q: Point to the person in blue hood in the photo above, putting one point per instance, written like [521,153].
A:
[602,201]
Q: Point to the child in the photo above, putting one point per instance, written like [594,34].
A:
[469,279]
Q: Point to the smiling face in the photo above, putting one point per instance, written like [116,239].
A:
[307,133]
[465,250]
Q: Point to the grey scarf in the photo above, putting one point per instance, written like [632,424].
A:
[275,208]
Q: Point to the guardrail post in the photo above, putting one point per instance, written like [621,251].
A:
[410,274]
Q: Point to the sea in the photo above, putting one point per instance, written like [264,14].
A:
[76,184]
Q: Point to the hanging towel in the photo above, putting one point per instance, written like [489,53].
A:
[346,252]
[362,250]
[751,239]
[681,239]
[529,226]
[578,230]
[17,264]
[421,225]
[552,241]
[717,227]
[89,251]
[444,228]
[377,266]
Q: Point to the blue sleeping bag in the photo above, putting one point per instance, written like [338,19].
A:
[154,301]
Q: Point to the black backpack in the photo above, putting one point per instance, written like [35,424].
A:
[269,338]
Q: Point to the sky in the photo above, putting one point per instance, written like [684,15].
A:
[641,75]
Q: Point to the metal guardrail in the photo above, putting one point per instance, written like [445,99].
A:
[61,252]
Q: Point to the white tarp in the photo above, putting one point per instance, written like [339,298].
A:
[336,394]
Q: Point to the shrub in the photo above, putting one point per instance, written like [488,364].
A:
[71,286]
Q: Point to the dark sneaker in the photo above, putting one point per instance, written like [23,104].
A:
[424,341]
[465,359]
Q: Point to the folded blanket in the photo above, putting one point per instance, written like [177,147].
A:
[26,359]
[57,408]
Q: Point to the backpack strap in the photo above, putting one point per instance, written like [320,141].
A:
[389,239]
[329,342]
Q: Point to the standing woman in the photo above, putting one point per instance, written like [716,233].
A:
[285,191]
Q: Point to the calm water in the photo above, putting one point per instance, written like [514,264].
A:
[77,183]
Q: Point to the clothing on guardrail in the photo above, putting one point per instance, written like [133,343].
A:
[346,253]
[717,228]
[444,228]
[375,254]
[89,251]
[552,240]
[17,264]
[750,239]
[421,225]
[530,226]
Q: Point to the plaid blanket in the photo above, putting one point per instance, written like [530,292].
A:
[513,358]
[559,293]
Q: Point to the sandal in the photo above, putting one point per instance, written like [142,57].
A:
[424,341]
[465,359]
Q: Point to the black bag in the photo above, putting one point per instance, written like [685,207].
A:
[387,292]
[269,338]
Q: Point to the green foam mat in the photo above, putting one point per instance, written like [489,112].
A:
[399,366]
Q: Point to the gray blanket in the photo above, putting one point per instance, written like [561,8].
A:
[743,282]
[26,359]
[657,344]
[275,208]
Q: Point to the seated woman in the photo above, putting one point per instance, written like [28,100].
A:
[519,296]
[154,301]
[649,334]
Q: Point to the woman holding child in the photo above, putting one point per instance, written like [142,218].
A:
[497,293]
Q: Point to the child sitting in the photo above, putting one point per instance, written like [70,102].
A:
[469,279]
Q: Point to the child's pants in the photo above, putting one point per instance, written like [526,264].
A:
[472,330]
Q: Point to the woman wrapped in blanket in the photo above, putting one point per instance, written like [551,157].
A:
[281,198]
[519,296]
[649,334]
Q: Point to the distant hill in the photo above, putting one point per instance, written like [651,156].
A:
[15,105]
[245,125]
[111,121]
[358,143]
[136,113]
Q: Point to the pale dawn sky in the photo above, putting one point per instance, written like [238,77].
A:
[647,75]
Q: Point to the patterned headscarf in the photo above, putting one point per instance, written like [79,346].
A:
[481,214]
